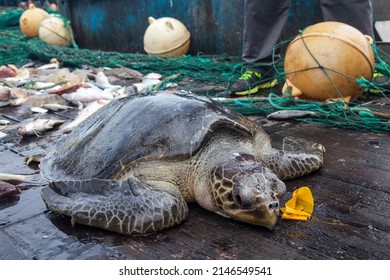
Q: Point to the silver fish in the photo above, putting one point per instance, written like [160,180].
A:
[38,110]
[91,108]
[86,95]
[6,177]
[4,122]
[56,107]
[38,126]
[52,65]
[153,76]
[290,114]
[102,79]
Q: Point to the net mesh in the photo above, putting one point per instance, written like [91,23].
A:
[370,112]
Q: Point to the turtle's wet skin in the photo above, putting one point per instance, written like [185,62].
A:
[133,165]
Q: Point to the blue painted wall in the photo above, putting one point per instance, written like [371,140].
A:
[8,2]
[215,25]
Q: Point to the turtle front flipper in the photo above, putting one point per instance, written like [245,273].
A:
[298,157]
[129,206]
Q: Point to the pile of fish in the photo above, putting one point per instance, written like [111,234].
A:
[51,87]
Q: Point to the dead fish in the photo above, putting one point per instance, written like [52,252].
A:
[54,64]
[141,87]
[102,82]
[8,190]
[4,122]
[42,86]
[22,83]
[66,89]
[86,95]
[123,73]
[153,76]
[18,101]
[6,177]
[85,113]
[2,135]
[22,74]
[18,92]
[38,126]
[28,65]
[65,77]
[147,84]
[56,107]
[104,86]
[40,100]
[39,110]
[5,104]
[5,93]
[116,92]
[57,76]
[102,79]
[171,85]
[7,71]
[290,114]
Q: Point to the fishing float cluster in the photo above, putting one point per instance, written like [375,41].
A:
[52,29]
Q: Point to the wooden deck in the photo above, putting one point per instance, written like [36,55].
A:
[351,217]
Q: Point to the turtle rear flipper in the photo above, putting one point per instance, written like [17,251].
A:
[298,157]
[129,206]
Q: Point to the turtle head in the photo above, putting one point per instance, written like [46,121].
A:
[246,190]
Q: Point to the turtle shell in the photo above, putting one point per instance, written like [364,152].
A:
[163,126]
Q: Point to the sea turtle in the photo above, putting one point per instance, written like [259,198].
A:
[133,165]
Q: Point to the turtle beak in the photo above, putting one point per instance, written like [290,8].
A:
[265,214]
[269,220]
[270,214]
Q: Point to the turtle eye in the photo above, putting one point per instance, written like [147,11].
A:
[243,197]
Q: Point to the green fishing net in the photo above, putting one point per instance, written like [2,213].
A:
[370,112]
[10,17]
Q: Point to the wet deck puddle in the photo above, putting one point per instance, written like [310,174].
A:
[37,233]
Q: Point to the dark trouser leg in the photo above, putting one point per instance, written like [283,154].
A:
[264,23]
[357,13]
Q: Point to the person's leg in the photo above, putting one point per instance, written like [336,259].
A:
[357,13]
[264,23]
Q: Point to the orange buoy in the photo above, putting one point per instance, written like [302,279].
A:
[55,31]
[327,59]
[31,19]
[166,37]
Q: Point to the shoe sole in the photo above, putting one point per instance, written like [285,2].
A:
[256,88]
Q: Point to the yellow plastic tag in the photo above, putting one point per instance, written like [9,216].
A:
[300,206]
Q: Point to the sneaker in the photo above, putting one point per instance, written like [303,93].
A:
[381,81]
[250,82]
